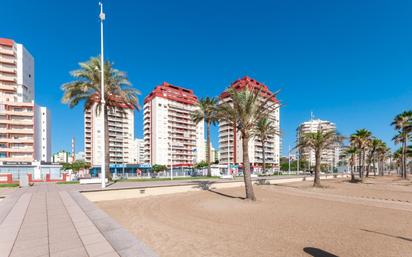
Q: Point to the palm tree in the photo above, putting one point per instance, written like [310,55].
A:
[361,139]
[382,152]
[373,145]
[119,94]
[319,141]
[351,153]
[264,129]
[244,109]
[403,124]
[207,113]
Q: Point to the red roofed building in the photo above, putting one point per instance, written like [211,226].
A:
[230,139]
[169,132]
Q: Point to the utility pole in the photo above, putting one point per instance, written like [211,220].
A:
[102,17]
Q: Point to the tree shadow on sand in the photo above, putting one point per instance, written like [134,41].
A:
[205,185]
[389,235]
[316,252]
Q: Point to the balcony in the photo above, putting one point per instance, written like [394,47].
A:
[8,88]
[17,140]
[8,60]
[17,122]
[8,78]
[7,51]
[18,150]
[19,131]
[19,113]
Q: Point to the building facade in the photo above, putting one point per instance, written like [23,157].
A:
[17,131]
[137,151]
[62,157]
[42,117]
[230,140]
[121,135]
[170,135]
[329,157]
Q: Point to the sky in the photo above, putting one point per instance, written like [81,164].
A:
[349,61]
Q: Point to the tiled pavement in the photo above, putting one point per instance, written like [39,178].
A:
[57,221]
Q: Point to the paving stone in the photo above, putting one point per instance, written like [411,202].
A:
[31,251]
[60,246]
[99,248]
[76,252]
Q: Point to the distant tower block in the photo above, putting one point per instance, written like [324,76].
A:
[73,148]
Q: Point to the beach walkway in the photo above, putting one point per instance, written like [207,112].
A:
[57,221]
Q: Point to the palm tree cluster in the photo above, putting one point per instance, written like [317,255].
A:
[249,111]
[403,126]
[368,151]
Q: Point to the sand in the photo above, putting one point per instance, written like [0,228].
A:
[343,219]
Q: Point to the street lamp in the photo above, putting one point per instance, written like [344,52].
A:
[171,155]
[102,16]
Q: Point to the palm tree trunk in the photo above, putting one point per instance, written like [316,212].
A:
[363,166]
[263,155]
[404,158]
[316,181]
[374,167]
[209,169]
[106,144]
[360,165]
[352,170]
[368,166]
[250,194]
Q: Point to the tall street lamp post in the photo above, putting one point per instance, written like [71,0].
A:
[102,16]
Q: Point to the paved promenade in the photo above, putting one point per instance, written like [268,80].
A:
[56,220]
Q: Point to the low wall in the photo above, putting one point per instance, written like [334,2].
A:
[129,193]
[6,178]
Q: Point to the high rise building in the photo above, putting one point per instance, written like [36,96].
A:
[137,151]
[42,118]
[230,140]
[170,135]
[16,103]
[329,156]
[121,135]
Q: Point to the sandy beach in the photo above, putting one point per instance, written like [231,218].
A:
[342,219]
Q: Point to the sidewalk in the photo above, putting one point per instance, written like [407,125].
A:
[57,221]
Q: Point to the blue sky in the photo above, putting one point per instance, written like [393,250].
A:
[347,61]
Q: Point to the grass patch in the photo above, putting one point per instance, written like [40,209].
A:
[68,182]
[164,179]
[9,185]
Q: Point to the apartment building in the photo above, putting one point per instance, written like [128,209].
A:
[42,117]
[62,157]
[121,135]
[329,156]
[137,151]
[230,140]
[170,135]
[17,134]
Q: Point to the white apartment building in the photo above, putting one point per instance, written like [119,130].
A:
[42,118]
[330,156]
[170,135]
[62,157]
[121,135]
[17,130]
[137,151]
[230,141]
